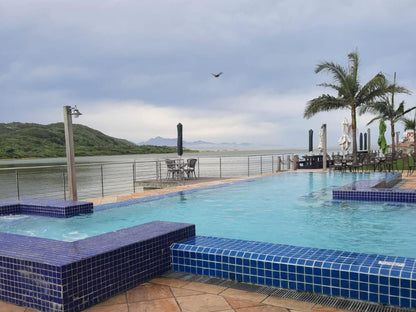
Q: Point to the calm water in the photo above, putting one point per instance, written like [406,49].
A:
[292,208]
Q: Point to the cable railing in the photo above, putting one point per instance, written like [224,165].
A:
[111,178]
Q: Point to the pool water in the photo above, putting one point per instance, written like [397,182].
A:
[293,208]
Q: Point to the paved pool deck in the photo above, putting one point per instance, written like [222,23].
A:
[165,294]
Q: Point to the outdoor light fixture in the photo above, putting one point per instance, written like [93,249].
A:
[75,112]
[70,154]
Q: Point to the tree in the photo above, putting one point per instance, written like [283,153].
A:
[385,109]
[351,95]
[410,124]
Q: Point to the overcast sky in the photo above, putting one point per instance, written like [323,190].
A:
[137,68]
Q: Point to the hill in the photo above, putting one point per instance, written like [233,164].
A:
[30,140]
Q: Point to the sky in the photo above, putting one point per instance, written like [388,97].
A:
[135,69]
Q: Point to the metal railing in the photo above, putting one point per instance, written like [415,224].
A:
[110,178]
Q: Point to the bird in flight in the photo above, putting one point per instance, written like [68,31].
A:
[217,75]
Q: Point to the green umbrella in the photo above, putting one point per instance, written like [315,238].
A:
[381,138]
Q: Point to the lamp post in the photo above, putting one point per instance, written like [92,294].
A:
[70,155]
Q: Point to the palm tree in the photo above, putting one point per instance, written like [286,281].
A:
[385,109]
[410,124]
[351,95]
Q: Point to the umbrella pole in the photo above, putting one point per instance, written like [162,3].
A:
[324,146]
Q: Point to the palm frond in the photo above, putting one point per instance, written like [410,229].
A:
[339,74]
[323,103]
[374,119]
[353,68]
[409,124]
[373,90]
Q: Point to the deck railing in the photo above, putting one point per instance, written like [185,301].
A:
[110,178]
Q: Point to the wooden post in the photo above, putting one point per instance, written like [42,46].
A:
[70,154]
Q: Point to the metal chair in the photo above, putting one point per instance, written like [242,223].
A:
[189,168]
[172,169]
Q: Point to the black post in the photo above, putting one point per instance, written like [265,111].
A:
[310,140]
[365,141]
[180,140]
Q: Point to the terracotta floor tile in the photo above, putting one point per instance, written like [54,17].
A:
[169,281]
[109,308]
[211,289]
[160,305]
[238,303]
[119,299]
[182,292]
[289,303]
[148,291]
[8,307]
[243,295]
[203,303]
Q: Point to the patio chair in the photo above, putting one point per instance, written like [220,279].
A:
[172,170]
[411,167]
[337,163]
[189,168]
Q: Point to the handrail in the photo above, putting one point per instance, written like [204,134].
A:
[98,179]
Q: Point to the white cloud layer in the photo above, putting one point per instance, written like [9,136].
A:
[137,68]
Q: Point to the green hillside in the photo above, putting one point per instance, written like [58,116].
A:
[30,140]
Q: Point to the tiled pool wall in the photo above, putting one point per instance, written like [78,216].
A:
[375,278]
[46,207]
[375,190]
[57,276]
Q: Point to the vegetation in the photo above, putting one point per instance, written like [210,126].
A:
[30,140]
[385,109]
[350,94]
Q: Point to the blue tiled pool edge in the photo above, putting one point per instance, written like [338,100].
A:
[46,207]
[375,190]
[57,276]
[375,278]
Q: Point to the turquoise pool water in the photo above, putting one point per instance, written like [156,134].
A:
[292,208]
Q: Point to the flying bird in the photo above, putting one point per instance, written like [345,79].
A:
[217,75]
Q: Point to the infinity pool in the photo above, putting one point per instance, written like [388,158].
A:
[293,208]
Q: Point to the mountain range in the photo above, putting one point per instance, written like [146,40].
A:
[202,145]
[31,140]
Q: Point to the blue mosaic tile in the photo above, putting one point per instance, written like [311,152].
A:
[375,190]
[46,207]
[57,276]
[370,277]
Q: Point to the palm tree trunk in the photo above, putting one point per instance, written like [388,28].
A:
[392,132]
[354,133]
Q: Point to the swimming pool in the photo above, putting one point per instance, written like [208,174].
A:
[294,208]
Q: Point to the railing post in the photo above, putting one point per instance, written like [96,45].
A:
[17,184]
[220,168]
[64,182]
[261,165]
[134,176]
[102,181]
[288,162]
[279,164]
[272,163]
[198,169]
[295,162]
